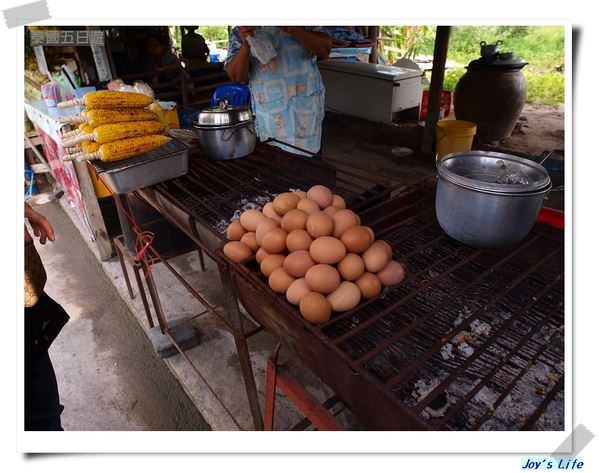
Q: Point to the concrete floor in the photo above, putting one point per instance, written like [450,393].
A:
[108,375]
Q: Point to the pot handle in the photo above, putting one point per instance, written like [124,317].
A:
[233,130]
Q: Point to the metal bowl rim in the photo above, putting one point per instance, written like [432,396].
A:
[220,117]
[541,191]
[198,126]
[494,188]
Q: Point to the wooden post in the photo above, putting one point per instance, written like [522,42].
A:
[373,34]
[436,88]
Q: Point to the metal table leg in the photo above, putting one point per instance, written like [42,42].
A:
[235,319]
[123,255]
[313,410]
[119,252]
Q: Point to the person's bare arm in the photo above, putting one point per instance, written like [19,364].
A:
[316,42]
[239,67]
[41,227]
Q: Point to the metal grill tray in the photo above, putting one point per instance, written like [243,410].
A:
[162,164]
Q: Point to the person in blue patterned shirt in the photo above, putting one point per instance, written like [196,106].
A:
[287,92]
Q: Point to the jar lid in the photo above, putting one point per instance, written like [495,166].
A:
[498,173]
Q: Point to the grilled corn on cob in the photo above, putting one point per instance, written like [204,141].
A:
[109,99]
[116,131]
[85,128]
[90,146]
[100,116]
[122,149]
[86,146]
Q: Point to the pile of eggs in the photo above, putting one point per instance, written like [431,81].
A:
[315,251]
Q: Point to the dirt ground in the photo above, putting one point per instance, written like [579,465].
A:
[540,128]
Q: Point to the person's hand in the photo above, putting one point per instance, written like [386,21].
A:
[41,227]
[245,31]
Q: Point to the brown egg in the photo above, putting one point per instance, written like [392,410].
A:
[370,285]
[371,231]
[327,250]
[386,246]
[344,219]
[338,201]
[321,195]
[264,227]
[376,257]
[237,251]
[315,308]
[249,239]
[279,280]
[235,231]
[301,194]
[345,297]
[296,290]
[285,202]
[270,263]
[323,278]
[251,218]
[269,211]
[308,206]
[351,267]
[319,224]
[391,274]
[295,219]
[298,240]
[332,210]
[297,263]
[357,239]
[260,255]
[274,241]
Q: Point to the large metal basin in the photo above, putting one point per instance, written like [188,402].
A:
[476,210]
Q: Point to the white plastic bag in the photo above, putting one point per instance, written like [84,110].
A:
[261,47]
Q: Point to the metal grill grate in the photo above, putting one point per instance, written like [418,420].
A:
[472,339]
[214,192]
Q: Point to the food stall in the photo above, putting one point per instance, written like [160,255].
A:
[413,325]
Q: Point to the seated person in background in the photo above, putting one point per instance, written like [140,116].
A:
[287,92]
[162,60]
[193,47]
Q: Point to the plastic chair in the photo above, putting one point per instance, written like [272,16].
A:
[237,95]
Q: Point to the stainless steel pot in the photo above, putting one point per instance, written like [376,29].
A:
[228,141]
[475,209]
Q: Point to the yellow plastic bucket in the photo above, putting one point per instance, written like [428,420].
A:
[453,136]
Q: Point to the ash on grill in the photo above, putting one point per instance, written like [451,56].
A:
[255,202]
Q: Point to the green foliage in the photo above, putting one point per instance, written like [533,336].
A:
[452,77]
[214,33]
[545,88]
[541,46]
[406,41]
